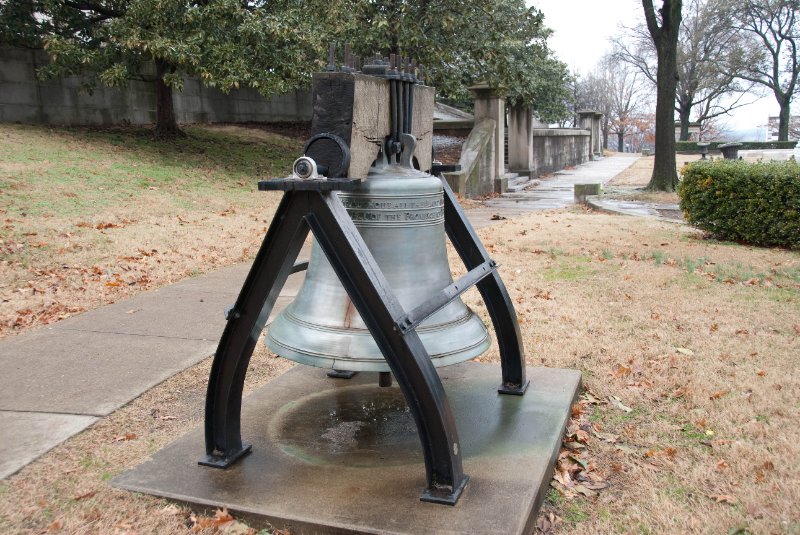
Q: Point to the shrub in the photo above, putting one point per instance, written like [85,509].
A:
[757,203]
[691,146]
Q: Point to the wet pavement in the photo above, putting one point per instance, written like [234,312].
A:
[555,191]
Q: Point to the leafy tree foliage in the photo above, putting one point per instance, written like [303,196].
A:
[227,43]
[18,24]
[770,56]
[461,42]
[274,46]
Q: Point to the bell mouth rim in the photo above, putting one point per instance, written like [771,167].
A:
[371,364]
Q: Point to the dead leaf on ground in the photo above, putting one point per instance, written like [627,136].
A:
[548,523]
[606,437]
[582,489]
[221,517]
[171,509]
[620,370]
[724,498]
[684,351]
[718,394]
[617,403]
[85,495]
[126,436]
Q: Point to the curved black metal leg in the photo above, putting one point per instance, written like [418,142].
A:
[404,352]
[494,293]
[269,272]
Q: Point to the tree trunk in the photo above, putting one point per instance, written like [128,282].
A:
[684,115]
[166,127]
[620,142]
[665,38]
[784,118]
[605,131]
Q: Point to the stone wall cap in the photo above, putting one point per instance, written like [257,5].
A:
[559,132]
[483,89]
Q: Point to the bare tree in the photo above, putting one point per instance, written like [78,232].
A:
[624,91]
[771,58]
[592,92]
[705,85]
[794,130]
[664,27]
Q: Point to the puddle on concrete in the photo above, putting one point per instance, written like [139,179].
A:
[355,426]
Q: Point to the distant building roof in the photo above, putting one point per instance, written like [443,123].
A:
[443,112]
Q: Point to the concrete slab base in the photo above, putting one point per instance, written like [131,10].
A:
[343,456]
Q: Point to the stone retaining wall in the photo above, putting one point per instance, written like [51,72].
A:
[554,149]
[25,99]
[535,150]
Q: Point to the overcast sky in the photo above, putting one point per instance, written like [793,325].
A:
[582,29]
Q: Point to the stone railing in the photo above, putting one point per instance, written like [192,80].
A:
[535,150]
[554,149]
[476,177]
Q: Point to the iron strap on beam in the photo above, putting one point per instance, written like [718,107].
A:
[433,305]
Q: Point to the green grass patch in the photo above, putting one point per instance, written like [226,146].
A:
[77,172]
[569,269]
[575,512]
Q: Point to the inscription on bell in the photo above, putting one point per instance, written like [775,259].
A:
[424,215]
[383,204]
[429,209]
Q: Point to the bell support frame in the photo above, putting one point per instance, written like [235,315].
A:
[314,206]
[498,303]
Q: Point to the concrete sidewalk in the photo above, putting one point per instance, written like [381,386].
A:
[57,380]
[556,191]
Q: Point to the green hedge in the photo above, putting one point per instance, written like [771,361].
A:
[757,203]
[691,146]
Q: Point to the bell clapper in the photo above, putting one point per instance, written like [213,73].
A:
[384,379]
[341,374]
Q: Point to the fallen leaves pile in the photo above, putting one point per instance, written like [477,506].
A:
[576,473]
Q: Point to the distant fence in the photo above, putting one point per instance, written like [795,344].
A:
[25,99]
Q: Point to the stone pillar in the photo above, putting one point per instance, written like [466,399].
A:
[490,104]
[586,122]
[597,134]
[520,148]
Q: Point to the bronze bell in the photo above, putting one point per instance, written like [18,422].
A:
[399,212]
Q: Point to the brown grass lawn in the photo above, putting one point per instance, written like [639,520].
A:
[699,339]
[689,350]
[88,217]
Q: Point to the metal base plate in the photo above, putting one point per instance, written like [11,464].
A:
[514,390]
[445,497]
[344,456]
[224,462]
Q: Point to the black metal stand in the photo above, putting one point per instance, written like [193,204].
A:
[313,205]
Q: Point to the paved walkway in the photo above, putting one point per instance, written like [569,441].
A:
[556,191]
[57,380]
